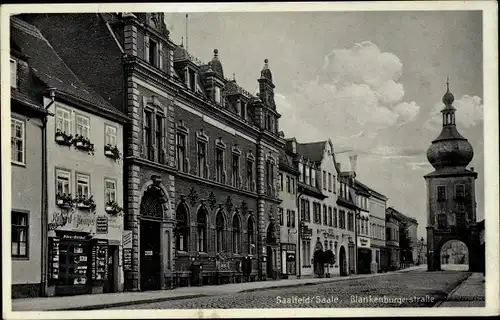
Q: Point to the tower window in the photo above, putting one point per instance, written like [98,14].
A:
[153,53]
[459,191]
[441,193]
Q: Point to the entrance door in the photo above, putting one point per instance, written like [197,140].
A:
[150,255]
[111,282]
[269,262]
[342,262]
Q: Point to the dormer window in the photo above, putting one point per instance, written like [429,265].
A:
[243,111]
[192,80]
[218,95]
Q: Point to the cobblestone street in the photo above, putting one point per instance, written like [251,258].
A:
[411,289]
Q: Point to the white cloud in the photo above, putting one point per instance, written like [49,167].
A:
[469,113]
[358,89]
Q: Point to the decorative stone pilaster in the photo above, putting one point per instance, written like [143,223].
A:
[133,210]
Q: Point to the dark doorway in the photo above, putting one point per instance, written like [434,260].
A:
[269,262]
[110,285]
[342,262]
[364,261]
[150,255]
[319,265]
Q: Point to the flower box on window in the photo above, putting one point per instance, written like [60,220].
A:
[83,143]
[113,208]
[64,200]
[112,152]
[63,138]
[83,202]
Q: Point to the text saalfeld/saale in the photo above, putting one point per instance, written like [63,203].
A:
[307,299]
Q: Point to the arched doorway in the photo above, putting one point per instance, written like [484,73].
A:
[342,261]
[318,260]
[182,228]
[150,238]
[454,256]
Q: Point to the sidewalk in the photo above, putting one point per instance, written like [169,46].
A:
[469,293]
[101,301]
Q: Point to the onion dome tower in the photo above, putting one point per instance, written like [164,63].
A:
[450,149]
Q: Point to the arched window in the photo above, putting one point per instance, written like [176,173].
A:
[201,220]
[236,234]
[182,235]
[251,237]
[219,229]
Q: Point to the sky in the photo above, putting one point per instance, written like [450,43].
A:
[372,82]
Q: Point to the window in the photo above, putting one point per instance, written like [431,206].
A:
[308,211]
[302,209]
[243,111]
[288,218]
[307,172]
[63,120]
[301,172]
[288,190]
[330,217]
[218,97]
[388,234]
[109,190]
[159,127]
[19,234]
[324,179]
[236,234]
[325,215]
[202,231]
[63,182]
[192,79]
[317,212]
[329,182]
[293,186]
[313,178]
[236,170]
[182,234]
[82,126]
[350,221]
[281,215]
[334,181]
[306,253]
[459,191]
[219,232]
[269,174]
[342,219]
[335,220]
[17,141]
[441,193]
[153,53]
[202,151]
[442,221]
[82,185]
[181,152]
[251,237]
[110,135]
[219,164]
[281,181]
[250,175]
[148,138]
[13,73]
[292,218]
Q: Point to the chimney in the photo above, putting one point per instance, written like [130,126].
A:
[472,169]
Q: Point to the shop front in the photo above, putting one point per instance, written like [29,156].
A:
[83,254]
[288,259]
[364,255]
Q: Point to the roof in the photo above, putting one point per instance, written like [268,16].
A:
[50,68]
[400,216]
[286,162]
[370,190]
[451,171]
[312,151]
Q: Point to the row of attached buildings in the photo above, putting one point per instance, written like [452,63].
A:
[137,167]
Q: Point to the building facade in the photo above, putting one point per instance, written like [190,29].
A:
[451,199]
[377,206]
[201,154]
[84,175]
[288,211]
[411,225]
[363,247]
[347,210]
[28,118]
[392,222]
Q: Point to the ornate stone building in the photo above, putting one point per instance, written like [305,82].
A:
[451,199]
[201,153]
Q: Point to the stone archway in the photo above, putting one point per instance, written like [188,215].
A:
[454,255]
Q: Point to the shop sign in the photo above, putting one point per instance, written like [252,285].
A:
[127,239]
[363,242]
[78,221]
[102,225]
[72,236]
[127,259]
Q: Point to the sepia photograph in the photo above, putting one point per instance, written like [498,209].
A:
[235,160]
